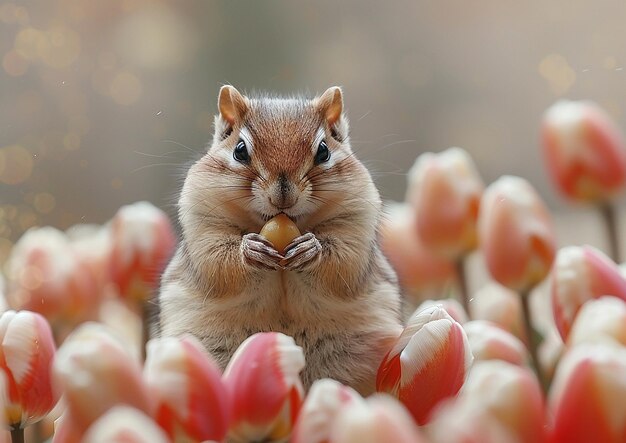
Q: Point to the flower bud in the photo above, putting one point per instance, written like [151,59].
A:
[123,424]
[264,387]
[516,234]
[445,189]
[489,342]
[581,274]
[427,364]
[584,150]
[602,319]
[499,305]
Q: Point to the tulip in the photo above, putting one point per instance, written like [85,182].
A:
[499,403]
[587,397]
[445,190]
[427,364]
[123,424]
[380,419]
[489,342]
[190,400]
[450,305]
[95,372]
[46,276]
[143,241]
[599,320]
[325,400]
[92,245]
[26,353]
[516,234]
[264,387]
[584,150]
[419,270]
[581,274]
[499,305]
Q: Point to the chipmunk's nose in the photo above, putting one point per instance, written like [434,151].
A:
[283,194]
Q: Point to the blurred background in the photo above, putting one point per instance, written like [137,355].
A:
[107,102]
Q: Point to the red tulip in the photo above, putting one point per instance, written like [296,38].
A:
[499,305]
[123,424]
[46,276]
[499,403]
[380,419]
[190,400]
[264,387]
[450,305]
[516,234]
[581,274]
[489,342]
[427,364]
[602,319]
[445,189]
[95,372]
[584,150]
[143,241]
[419,270]
[587,396]
[26,353]
[325,400]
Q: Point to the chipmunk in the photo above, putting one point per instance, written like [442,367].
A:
[333,291]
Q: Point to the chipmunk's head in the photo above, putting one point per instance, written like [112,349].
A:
[291,155]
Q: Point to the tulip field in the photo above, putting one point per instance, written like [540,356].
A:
[81,359]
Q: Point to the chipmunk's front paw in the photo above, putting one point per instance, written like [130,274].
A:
[301,251]
[258,252]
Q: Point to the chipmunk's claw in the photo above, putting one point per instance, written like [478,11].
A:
[258,252]
[301,251]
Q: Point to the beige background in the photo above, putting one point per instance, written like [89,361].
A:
[106,102]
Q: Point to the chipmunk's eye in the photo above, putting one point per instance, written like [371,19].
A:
[323,154]
[241,152]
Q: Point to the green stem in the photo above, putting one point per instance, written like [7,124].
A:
[533,340]
[462,282]
[610,222]
[17,435]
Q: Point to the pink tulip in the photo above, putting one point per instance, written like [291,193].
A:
[26,353]
[516,234]
[325,400]
[123,424]
[501,306]
[445,189]
[264,387]
[427,364]
[581,274]
[584,150]
[489,342]
[499,403]
[95,372]
[92,245]
[190,400]
[46,276]
[587,396]
[143,241]
[380,419]
[419,270]
[602,319]
[450,305]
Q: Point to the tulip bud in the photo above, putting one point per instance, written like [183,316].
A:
[26,353]
[92,246]
[427,364]
[264,387]
[445,189]
[600,320]
[501,306]
[379,419]
[123,424]
[325,400]
[489,342]
[516,234]
[581,274]
[584,150]
[143,240]
[419,270]
[190,400]
[95,372]
[45,276]
[587,396]
[450,305]
[499,403]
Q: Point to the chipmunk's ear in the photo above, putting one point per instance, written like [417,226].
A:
[232,104]
[331,104]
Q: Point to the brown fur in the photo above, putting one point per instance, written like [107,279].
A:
[342,306]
